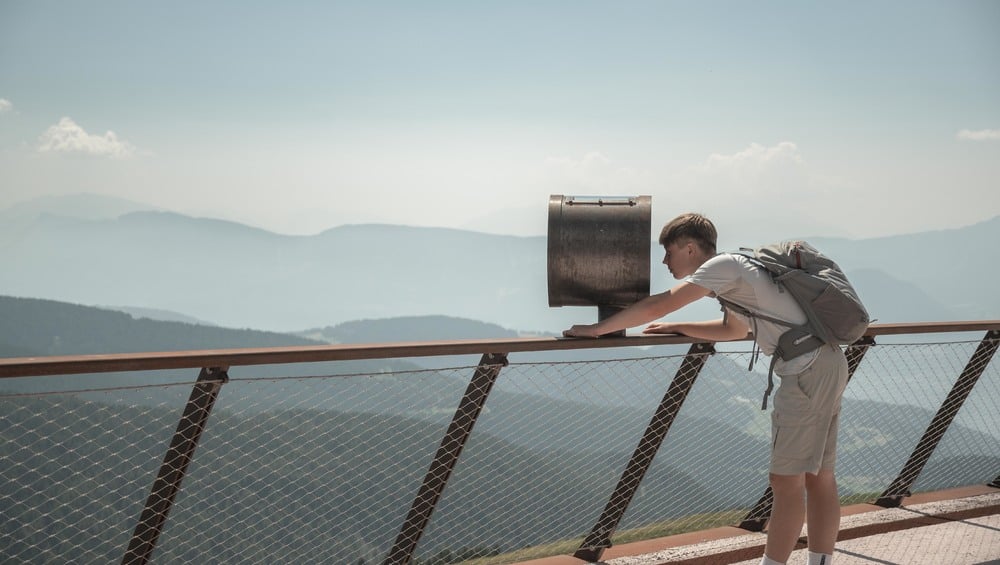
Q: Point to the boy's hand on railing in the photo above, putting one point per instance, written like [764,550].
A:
[582,330]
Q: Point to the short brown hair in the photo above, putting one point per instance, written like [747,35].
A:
[693,227]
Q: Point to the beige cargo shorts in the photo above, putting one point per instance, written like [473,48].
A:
[805,419]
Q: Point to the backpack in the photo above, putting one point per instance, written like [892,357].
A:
[834,313]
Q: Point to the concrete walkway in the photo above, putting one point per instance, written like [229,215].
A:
[923,533]
[957,527]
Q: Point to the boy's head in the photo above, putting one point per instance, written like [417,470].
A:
[693,228]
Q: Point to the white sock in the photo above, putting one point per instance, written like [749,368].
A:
[820,558]
[768,561]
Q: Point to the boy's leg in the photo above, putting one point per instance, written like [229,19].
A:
[803,456]
[823,511]
[822,497]
[787,515]
[795,498]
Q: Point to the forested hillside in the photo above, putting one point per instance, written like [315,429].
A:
[48,327]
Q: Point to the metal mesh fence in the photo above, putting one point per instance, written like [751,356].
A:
[75,470]
[324,467]
[891,403]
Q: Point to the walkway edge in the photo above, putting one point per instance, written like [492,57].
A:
[729,544]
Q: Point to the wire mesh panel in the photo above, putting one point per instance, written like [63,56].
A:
[541,465]
[713,464]
[889,405]
[75,469]
[969,450]
[310,469]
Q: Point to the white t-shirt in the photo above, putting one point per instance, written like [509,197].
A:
[735,278]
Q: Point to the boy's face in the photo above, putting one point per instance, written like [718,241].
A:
[682,258]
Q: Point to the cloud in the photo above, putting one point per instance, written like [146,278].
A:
[754,171]
[68,137]
[759,193]
[594,172]
[979,135]
[5,106]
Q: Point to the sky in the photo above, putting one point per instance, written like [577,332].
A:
[853,119]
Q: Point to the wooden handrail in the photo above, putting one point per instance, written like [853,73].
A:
[151,361]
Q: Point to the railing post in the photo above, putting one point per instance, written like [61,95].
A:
[900,488]
[175,463]
[447,455]
[758,516]
[600,536]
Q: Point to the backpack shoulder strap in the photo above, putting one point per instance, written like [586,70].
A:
[744,311]
[751,256]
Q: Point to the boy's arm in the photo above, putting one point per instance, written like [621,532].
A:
[646,310]
[725,329]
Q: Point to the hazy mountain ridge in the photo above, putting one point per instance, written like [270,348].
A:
[31,327]
[239,276]
[243,277]
[407,328]
[957,268]
[48,327]
[159,315]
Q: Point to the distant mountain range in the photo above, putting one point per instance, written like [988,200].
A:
[96,250]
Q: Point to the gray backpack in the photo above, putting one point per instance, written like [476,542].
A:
[834,312]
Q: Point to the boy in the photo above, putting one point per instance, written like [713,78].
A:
[804,422]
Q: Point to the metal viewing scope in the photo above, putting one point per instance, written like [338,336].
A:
[598,251]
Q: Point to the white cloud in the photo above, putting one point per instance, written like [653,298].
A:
[595,172]
[5,105]
[979,135]
[759,193]
[68,137]
[754,171]
[753,161]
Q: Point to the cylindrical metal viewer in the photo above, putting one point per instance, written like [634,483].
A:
[598,251]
